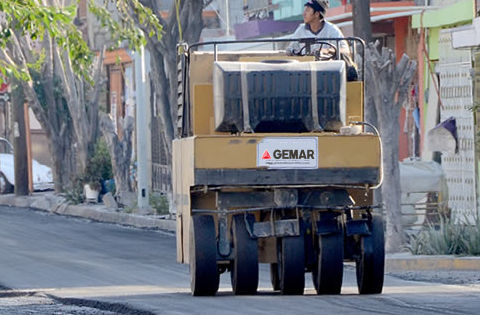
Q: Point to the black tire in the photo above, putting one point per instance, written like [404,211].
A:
[204,276]
[274,277]
[327,275]
[5,186]
[244,269]
[291,264]
[371,263]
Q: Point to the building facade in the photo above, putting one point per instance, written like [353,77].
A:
[450,67]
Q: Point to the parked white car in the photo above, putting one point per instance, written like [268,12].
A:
[42,174]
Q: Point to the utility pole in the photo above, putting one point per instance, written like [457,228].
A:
[362,27]
[28,140]
[19,139]
[227,9]
[141,132]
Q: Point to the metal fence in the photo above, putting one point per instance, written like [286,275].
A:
[161,178]
[161,174]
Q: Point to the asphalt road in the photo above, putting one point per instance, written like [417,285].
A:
[54,264]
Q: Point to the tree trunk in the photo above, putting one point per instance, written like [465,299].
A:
[388,85]
[121,154]
[391,192]
[163,59]
[19,140]
[362,26]
[64,161]
[82,109]
[164,106]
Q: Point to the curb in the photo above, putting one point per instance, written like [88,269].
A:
[49,202]
[408,262]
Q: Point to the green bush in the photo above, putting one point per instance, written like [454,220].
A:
[159,203]
[99,166]
[472,238]
[98,169]
[447,238]
[74,194]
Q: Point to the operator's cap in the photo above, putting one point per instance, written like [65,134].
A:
[318,6]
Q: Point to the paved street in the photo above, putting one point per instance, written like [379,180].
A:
[54,264]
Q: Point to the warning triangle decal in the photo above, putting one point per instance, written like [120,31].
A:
[266,155]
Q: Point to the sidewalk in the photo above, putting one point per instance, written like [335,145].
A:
[49,202]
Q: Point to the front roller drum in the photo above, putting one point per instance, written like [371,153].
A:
[244,266]
[371,261]
[327,275]
[204,276]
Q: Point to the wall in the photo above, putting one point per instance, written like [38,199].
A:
[457,13]
[456,87]
[291,10]
[288,10]
[460,12]
[235,12]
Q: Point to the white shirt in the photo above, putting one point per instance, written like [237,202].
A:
[328,30]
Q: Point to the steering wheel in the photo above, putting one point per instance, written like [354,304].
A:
[321,53]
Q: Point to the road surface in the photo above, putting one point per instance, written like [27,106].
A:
[50,263]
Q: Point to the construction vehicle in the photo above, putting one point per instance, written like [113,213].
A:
[273,164]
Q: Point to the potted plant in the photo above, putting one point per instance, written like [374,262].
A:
[92,190]
[99,169]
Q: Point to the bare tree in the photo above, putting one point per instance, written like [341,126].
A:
[42,47]
[164,58]
[64,104]
[386,91]
[387,83]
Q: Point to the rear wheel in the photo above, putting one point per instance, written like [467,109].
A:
[244,269]
[204,277]
[327,275]
[291,264]
[274,278]
[371,262]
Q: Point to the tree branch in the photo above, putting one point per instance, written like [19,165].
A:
[18,59]
[98,81]
[48,82]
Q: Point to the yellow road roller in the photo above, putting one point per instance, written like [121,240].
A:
[273,164]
